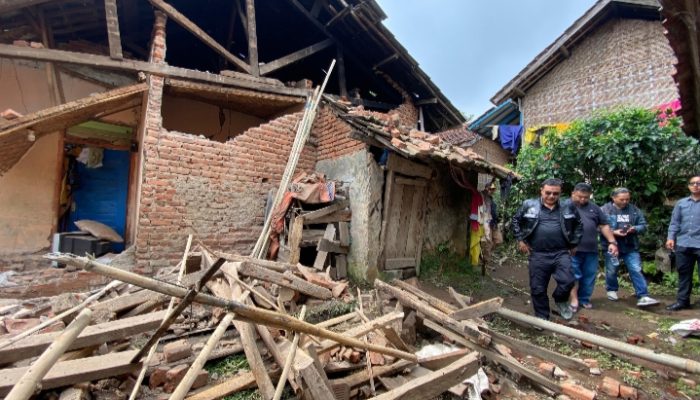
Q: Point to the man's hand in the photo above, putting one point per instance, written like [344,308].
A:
[523,247]
[671,244]
[620,232]
[573,251]
[613,250]
[631,229]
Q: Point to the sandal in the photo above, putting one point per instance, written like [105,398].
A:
[574,308]
[587,306]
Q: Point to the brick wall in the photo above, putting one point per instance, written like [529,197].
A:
[216,191]
[491,151]
[333,136]
[623,62]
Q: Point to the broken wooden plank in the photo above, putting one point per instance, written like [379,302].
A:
[331,246]
[399,263]
[288,280]
[478,310]
[92,335]
[304,365]
[361,377]
[338,216]
[257,366]
[341,266]
[321,256]
[442,360]
[25,387]
[287,363]
[443,306]
[242,381]
[527,348]
[363,329]
[295,237]
[113,36]
[431,385]
[294,57]
[312,217]
[344,233]
[75,371]
[461,299]
[190,26]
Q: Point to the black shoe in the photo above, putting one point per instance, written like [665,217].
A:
[678,306]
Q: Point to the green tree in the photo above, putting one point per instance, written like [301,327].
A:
[630,147]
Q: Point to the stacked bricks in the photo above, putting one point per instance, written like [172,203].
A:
[216,191]
[623,62]
[333,136]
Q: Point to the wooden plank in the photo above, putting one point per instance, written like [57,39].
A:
[69,57]
[344,233]
[421,230]
[461,299]
[113,36]
[338,216]
[363,329]
[288,280]
[479,309]
[242,381]
[341,266]
[443,306]
[406,213]
[431,385]
[294,57]
[442,360]
[415,222]
[527,348]
[399,263]
[331,246]
[190,26]
[388,195]
[361,377]
[295,237]
[321,256]
[413,182]
[257,366]
[67,373]
[92,335]
[394,214]
[304,365]
[251,28]
[403,166]
[313,216]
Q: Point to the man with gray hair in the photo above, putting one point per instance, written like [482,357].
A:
[627,222]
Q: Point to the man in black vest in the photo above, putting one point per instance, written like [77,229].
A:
[548,231]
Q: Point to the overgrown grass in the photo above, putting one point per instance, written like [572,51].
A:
[443,267]
[328,309]
[228,366]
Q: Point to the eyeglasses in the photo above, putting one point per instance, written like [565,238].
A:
[552,193]
[694,183]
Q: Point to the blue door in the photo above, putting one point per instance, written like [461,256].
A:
[100,194]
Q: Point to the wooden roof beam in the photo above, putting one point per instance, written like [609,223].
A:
[294,57]
[113,36]
[185,22]
[252,38]
[385,61]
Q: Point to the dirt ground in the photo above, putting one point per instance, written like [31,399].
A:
[620,320]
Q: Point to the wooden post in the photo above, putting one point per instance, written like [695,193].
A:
[243,312]
[252,38]
[295,235]
[341,71]
[290,359]
[113,36]
[28,384]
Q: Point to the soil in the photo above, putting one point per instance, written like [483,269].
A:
[621,320]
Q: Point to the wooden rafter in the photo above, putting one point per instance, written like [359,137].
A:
[295,56]
[252,38]
[185,22]
[69,57]
[113,36]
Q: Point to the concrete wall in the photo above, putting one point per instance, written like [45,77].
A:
[366,181]
[624,62]
[27,197]
[446,215]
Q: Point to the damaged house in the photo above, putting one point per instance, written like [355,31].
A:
[161,120]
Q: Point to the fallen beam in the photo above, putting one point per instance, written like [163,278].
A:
[431,385]
[243,312]
[478,310]
[92,335]
[288,280]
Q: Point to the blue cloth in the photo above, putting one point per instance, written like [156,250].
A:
[510,136]
[584,265]
[634,266]
[685,223]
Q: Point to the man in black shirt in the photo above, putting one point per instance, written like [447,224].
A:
[548,231]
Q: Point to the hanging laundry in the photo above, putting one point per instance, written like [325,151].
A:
[510,137]
[91,157]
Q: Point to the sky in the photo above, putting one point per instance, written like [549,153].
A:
[472,48]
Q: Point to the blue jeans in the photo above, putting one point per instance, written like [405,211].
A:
[584,264]
[634,266]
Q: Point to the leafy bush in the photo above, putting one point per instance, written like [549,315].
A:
[627,147]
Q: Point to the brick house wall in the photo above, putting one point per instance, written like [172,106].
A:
[624,62]
[216,191]
[333,136]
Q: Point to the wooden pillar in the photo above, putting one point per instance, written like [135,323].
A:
[252,38]
[342,84]
[113,36]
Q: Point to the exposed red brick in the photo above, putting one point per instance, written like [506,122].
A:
[577,392]
[628,392]
[178,350]
[158,377]
[546,369]
[610,386]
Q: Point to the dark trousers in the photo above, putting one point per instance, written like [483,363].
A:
[542,266]
[686,259]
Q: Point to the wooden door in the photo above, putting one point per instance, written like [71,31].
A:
[402,227]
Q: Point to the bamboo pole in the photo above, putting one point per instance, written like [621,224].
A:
[669,360]
[290,359]
[152,350]
[243,312]
[60,316]
[30,382]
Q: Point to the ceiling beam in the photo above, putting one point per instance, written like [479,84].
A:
[190,26]
[113,36]
[294,57]
[252,38]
